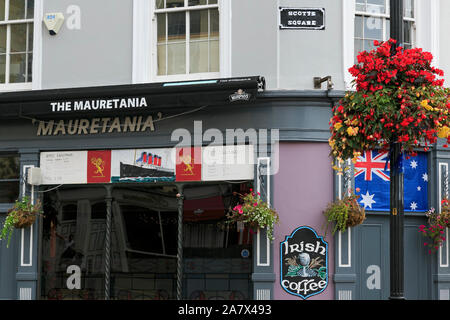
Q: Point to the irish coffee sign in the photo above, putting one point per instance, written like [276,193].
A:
[302,18]
[304,263]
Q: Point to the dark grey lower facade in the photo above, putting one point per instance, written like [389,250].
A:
[33,265]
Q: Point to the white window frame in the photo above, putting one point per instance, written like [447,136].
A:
[386,16]
[21,85]
[426,14]
[145,43]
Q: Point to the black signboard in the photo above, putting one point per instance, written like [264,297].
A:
[131,98]
[304,263]
[302,18]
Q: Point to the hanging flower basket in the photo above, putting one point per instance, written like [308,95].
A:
[398,99]
[434,231]
[24,219]
[254,213]
[344,213]
[22,215]
[445,213]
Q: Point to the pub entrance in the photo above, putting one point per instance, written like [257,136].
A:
[133,253]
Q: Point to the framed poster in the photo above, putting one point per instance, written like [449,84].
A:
[64,167]
[228,163]
[143,165]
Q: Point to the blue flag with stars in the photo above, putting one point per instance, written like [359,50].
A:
[372,181]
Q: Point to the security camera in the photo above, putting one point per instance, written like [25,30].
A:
[53,22]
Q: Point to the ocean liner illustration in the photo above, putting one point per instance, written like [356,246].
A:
[148,165]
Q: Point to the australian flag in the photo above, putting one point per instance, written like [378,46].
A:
[372,181]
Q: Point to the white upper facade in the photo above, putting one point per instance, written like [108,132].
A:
[107,42]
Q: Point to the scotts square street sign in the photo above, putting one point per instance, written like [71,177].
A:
[302,18]
[304,263]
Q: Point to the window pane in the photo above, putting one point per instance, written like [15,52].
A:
[176,56]
[358,26]
[214,56]
[17,68]
[199,56]
[407,31]
[142,228]
[199,24]
[69,241]
[388,29]
[2,39]
[2,10]
[360,6]
[376,6]
[9,191]
[2,68]
[9,167]
[18,37]
[196,2]
[373,28]
[30,9]
[368,45]
[214,22]
[176,49]
[358,48]
[161,22]
[174,3]
[212,1]
[377,2]
[30,67]
[176,26]
[16,9]
[408,6]
[162,60]
[30,37]
[159,4]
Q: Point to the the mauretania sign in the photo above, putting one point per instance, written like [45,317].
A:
[98,104]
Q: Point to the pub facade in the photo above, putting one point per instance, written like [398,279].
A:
[101,123]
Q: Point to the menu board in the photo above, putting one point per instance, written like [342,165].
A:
[228,163]
[64,167]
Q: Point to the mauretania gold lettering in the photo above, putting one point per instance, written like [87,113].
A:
[45,128]
[94,126]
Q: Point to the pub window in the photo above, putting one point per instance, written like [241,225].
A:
[9,178]
[372,23]
[16,41]
[187,37]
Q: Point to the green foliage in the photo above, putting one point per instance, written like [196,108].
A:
[13,216]
[255,213]
[8,228]
[343,213]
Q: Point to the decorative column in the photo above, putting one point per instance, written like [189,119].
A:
[108,201]
[27,266]
[180,199]
[345,271]
[263,276]
[442,278]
